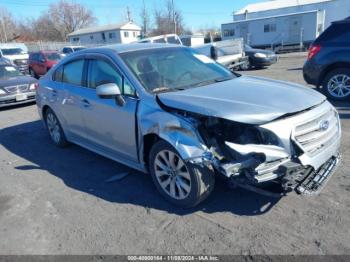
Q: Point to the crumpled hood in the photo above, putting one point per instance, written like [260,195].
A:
[245,99]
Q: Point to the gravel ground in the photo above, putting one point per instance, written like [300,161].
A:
[58,201]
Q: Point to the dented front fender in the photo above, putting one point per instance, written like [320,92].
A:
[176,130]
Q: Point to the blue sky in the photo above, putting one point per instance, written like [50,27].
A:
[197,13]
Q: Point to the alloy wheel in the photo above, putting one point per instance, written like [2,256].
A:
[54,128]
[339,86]
[172,174]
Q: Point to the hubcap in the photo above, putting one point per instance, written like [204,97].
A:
[172,174]
[339,86]
[54,129]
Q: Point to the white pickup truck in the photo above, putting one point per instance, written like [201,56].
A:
[229,53]
[17,53]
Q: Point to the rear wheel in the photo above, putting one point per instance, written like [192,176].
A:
[55,129]
[181,183]
[336,85]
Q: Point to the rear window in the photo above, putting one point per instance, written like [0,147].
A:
[173,40]
[336,32]
[53,57]
[159,41]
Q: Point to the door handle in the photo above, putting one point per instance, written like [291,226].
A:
[85,103]
[54,92]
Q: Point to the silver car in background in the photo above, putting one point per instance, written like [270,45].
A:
[178,115]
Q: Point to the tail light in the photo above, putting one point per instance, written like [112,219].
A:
[313,50]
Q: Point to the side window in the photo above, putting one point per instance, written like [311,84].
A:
[160,41]
[73,72]
[100,72]
[67,50]
[40,57]
[57,75]
[128,90]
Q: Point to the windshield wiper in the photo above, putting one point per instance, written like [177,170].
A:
[222,79]
[166,89]
[208,82]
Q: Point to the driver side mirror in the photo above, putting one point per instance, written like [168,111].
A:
[110,91]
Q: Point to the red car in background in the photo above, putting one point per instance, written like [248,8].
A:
[41,62]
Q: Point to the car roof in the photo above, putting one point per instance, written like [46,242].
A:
[123,48]
[344,21]
[73,46]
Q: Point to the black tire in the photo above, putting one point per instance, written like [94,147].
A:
[246,66]
[201,184]
[58,138]
[327,84]
[32,73]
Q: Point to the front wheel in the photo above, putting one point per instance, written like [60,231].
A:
[245,66]
[180,182]
[336,85]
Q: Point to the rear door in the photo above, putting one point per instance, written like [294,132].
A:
[72,100]
[109,126]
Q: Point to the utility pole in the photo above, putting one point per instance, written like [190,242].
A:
[174,16]
[128,14]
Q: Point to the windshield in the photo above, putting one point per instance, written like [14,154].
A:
[7,71]
[53,57]
[78,48]
[12,51]
[170,69]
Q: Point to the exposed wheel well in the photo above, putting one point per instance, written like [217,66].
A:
[44,110]
[331,68]
[148,141]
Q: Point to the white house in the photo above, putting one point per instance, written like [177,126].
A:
[106,34]
[281,22]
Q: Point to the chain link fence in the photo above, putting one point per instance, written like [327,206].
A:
[52,46]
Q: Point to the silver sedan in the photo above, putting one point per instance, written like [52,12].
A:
[178,115]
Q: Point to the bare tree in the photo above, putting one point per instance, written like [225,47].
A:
[8,27]
[67,16]
[145,18]
[168,20]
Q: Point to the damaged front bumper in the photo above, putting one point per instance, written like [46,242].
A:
[305,159]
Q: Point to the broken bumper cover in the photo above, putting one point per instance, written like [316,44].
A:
[316,180]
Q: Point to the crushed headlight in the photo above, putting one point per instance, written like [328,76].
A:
[268,137]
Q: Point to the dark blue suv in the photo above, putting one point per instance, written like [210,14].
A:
[328,62]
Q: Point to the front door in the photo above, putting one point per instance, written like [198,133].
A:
[110,126]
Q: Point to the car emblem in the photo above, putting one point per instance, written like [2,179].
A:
[324,125]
